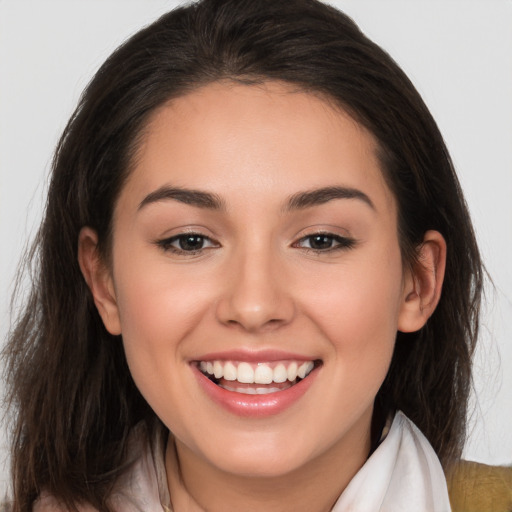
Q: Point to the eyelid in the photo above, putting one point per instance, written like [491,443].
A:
[166,243]
[344,242]
[340,242]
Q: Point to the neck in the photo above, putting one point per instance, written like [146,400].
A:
[195,485]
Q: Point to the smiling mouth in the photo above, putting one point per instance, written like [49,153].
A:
[256,378]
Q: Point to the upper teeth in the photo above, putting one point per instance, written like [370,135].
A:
[258,373]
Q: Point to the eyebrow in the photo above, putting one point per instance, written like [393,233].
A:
[298,201]
[196,198]
[318,196]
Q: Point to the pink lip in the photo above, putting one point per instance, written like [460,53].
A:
[255,406]
[260,356]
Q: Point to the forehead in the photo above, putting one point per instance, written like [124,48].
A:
[243,140]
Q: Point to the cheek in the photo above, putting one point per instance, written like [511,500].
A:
[359,302]
[357,309]
[153,310]
[159,314]
[158,309]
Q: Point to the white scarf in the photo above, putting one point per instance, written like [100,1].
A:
[402,475]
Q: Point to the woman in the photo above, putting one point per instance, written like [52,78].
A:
[240,303]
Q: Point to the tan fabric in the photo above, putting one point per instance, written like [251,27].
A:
[475,487]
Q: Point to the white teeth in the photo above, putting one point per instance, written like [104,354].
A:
[245,373]
[292,372]
[252,391]
[280,374]
[265,391]
[260,373]
[263,374]
[218,369]
[304,369]
[230,371]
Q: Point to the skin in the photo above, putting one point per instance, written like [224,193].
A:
[258,285]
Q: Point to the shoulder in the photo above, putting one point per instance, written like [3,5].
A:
[475,487]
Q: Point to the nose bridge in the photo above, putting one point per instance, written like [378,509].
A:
[255,296]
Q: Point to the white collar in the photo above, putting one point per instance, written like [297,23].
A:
[402,474]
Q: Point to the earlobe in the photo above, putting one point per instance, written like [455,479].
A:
[423,283]
[99,279]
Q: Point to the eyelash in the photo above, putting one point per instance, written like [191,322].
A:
[342,243]
[166,243]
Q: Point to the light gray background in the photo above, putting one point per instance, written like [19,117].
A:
[457,52]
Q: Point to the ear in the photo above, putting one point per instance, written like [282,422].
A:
[99,279]
[423,283]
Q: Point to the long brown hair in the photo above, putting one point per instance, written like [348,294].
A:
[71,392]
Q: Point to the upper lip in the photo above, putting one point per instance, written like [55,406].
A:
[253,356]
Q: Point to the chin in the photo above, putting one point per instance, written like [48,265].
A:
[262,460]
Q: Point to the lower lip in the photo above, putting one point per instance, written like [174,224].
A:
[255,406]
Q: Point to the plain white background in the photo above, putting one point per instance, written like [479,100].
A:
[458,53]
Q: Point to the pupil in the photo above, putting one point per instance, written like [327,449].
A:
[191,242]
[320,242]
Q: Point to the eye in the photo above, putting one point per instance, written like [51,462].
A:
[325,242]
[187,243]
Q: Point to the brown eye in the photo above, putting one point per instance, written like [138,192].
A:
[187,243]
[321,242]
[190,242]
[325,242]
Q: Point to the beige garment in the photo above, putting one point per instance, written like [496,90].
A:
[475,487]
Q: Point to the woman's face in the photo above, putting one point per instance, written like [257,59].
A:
[256,238]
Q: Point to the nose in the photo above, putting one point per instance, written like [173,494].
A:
[254,293]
